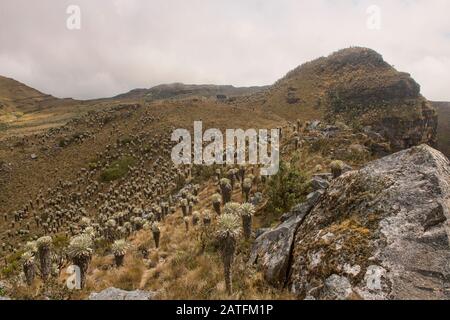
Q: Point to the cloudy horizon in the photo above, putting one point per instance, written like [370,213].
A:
[127,44]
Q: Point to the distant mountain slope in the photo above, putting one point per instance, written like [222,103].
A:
[180,90]
[17,97]
[443,132]
[358,87]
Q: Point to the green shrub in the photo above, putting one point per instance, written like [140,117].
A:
[201,173]
[60,241]
[124,140]
[284,190]
[117,169]
[13,264]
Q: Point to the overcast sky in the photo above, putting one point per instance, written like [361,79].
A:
[126,44]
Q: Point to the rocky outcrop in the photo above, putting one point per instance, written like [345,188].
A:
[378,233]
[405,131]
[118,294]
[356,86]
[381,232]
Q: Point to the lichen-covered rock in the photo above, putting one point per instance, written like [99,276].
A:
[118,294]
[384,229]
[337,288]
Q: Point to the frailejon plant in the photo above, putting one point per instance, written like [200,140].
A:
[227,234]
[186,223]
[216,201]
[241,174]
[44,245]
[247,211]
[336,168]
[246,187]
[184,206]
[156,234]
[80,253]
[195,218]
[225,189]
[28,267]
[119,248]
[206,217]
[231,175]
[232,208]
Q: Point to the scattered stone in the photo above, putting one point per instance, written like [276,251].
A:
[318,183]
[118,294]
[337,288]
[314,125]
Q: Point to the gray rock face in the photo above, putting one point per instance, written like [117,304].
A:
[378,233]
[272,250]
[118,294]
[314,196]
[319,183]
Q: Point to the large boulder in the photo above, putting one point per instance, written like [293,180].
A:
[381,232]
[118,294]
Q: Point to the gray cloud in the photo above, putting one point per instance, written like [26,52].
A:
[125,44]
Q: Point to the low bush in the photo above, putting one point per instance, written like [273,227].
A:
[117,169]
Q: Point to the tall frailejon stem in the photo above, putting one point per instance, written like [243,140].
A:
[246,187]
[227,234]
[247,211]
[80,252]
[216,201]
[156,234]
[226,189]
[44,245]
[29,268]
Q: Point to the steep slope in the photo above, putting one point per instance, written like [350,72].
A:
[357,86]
[443,131]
